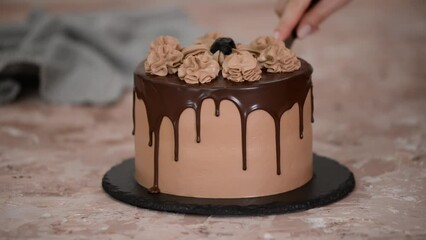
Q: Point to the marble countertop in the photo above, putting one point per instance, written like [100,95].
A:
[369,82]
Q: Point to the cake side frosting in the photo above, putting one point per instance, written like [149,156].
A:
[240,80]
[169,97]
[212,168]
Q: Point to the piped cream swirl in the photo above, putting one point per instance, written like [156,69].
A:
[200,68]
[274,56]
[195,50]
[260,43]
[170,41]
[196,64]
[277,58]
[248,48]
[241,66]
[164,56]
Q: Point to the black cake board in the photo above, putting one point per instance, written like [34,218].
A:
[330,183]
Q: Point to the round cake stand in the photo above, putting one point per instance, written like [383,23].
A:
[330,183]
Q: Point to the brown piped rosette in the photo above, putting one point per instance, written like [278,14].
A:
[213,53]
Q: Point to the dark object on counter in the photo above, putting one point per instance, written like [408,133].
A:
[16,78]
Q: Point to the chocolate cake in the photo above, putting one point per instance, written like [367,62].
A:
[222,120]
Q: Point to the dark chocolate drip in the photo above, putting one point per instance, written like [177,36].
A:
[155,188]
[176,138]
[133,110]
[217,108]
[300,105]
[169,96]
[277,122]
[150,139]
[197,122]
[312,104]
[244,138]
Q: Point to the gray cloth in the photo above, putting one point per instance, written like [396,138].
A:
[88,58]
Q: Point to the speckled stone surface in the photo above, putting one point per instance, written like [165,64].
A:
[370,84]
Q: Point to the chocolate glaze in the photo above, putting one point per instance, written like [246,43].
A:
[133,110]
[169,96]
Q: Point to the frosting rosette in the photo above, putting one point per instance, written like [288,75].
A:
[260,43]
[202,49]
[274,56]
[241,66]
[166,40]
[201,62]
[248,48]
[277,58]
[195,50]
[208,38]
[164,56]
[200,68]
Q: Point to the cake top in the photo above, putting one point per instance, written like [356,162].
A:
[213,53]
[220,82]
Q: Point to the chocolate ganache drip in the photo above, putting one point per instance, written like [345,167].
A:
[169,96]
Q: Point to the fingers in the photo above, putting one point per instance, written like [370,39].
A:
[313,18]
[292,12]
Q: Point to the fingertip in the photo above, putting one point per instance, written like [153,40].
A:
[277,35]
[282,31]
[304,30]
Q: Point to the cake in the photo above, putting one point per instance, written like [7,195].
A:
[222,120]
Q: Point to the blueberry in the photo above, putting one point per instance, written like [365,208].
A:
[225,45]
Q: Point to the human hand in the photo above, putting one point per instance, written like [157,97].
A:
[293,12]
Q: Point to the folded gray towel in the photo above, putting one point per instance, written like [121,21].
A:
[90,57]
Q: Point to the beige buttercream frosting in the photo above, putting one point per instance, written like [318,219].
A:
[164,56]
[201,49]
[260,43]
[208,38]
[195,50]
[244,64]
[163,60]
[166,40]
[201,68]
[248,48]
[277,58]
[219,57]
[241,66]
